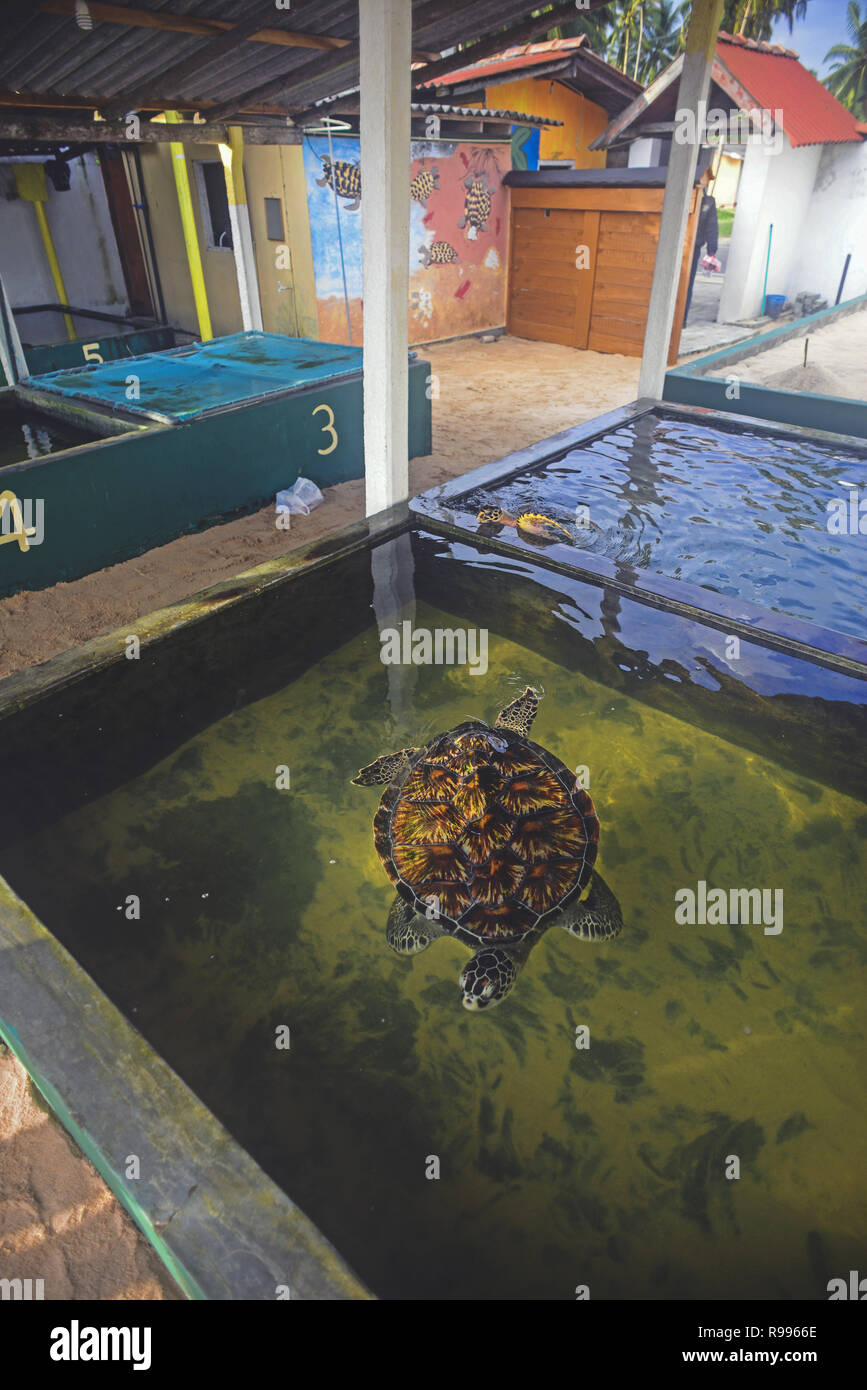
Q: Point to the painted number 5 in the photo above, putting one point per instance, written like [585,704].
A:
[328,429]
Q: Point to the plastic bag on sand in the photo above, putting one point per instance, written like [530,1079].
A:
[300,498]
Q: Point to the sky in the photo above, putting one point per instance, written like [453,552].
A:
[811,38]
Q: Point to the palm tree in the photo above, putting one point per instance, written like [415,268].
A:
[754,19]
[664,36]
[647,37]
[595,24]
[848,78]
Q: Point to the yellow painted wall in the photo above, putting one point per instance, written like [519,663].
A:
[277,171]
[725,186]
[582,120]
[218,265]
[270,171]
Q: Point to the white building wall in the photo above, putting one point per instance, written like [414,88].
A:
[836,224]
[644,153]
[776,187]
[84,239]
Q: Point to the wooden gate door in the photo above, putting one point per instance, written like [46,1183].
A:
[552,263]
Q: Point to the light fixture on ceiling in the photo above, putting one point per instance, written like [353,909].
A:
[83,17]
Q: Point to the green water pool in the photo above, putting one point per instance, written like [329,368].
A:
[264,909]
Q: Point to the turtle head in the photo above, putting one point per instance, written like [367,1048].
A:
[491,516]
[487,978]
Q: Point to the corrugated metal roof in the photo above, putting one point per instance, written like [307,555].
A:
[440,108]
[526,55]
[774,78]
[499,113]
[45,52]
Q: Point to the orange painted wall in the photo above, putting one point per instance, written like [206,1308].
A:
[582,119]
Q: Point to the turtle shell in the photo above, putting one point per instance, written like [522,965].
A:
[491,826]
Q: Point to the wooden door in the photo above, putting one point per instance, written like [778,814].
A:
[624,274]
[126,232]
[552,260]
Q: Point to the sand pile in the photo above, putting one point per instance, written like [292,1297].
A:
[811,378]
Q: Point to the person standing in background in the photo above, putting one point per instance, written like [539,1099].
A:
[707,234]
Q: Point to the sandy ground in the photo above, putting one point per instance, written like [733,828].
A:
[493,398]
[836,361]
[58,1220]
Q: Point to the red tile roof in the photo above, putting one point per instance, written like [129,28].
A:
[772,76]
[528,55]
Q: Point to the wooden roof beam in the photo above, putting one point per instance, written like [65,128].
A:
[134,18]
[333,63]
[59,130]
[181,71]
[50,101]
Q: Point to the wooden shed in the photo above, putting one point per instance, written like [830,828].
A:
[581,254]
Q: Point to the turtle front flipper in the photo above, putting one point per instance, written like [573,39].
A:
[487,978]
[407,932]
[519,715]
[383,769]
[597,918]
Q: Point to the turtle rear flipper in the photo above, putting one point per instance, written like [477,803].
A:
[519,715]
[597,918]
[383,769]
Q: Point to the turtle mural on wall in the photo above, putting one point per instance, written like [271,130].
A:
[423,185]
[345,178]
[457,273]
[477,205]
[439,253]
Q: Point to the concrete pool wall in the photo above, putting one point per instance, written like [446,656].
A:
[222,1228]
[444,509]
[690,384]
[160,475]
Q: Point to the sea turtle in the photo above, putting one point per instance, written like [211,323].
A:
[529,523]
[345,178]
[532,524]
[488,837]
[439,253]
[423,185]
[477,205]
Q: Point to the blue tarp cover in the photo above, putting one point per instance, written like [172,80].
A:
[184,382]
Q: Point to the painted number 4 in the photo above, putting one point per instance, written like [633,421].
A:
[328,429]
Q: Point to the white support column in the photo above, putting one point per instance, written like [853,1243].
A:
[694,84]
[232,156]
[13,363]
[385,32]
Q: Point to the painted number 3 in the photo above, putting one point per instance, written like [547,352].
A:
[328,429]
